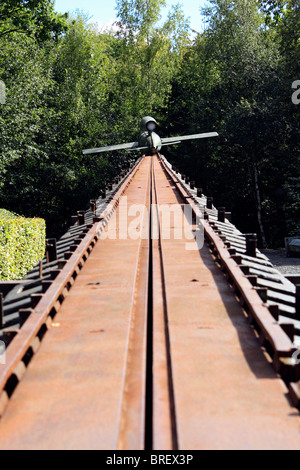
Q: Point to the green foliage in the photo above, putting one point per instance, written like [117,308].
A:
[70,87]
[150,53]
[57,104]
[6,215]
[31,17]
[22,244]
[84,89]
[235,80]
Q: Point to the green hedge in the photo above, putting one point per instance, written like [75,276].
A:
[22,244]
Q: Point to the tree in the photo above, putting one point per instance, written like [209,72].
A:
[29,17]
[81,88]
[230,81]
[284,16]
[149,53]
[57,104]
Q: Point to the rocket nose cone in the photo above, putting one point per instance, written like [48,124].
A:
[146,121]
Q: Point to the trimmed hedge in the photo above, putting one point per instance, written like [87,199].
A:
[22,244]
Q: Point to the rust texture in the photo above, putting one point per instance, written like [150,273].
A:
[149,346]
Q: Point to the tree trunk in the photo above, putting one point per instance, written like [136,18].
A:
[253,175]
[258,205]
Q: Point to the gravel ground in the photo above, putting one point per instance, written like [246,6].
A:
[284,265]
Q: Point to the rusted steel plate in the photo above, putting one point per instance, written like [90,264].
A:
[279,340]
[19,297]
[73,393]
[164,418]
[30,329]
[276,336]
[132,426]
[213,387]
[227,395]
[295,394]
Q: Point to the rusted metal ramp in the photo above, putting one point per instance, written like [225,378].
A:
[150,348]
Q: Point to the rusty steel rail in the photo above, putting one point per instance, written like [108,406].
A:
[132,425]
[26,341]
[174,307]
[164,435]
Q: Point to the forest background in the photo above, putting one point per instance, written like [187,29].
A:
[66,86]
